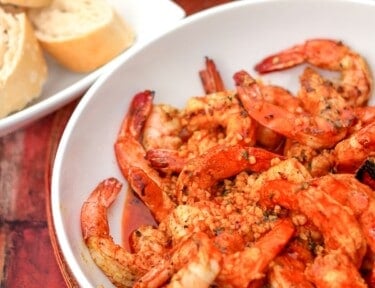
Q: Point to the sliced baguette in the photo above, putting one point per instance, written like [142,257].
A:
[81,35]
[27,3]
[23,70]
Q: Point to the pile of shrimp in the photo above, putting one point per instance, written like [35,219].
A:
[251,186]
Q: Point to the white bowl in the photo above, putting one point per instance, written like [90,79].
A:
[236,36]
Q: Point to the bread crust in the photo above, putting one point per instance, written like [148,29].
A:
[87,52]
[25,79]
[27,3]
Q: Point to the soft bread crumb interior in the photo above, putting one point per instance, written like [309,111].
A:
[10,43]
[67,19]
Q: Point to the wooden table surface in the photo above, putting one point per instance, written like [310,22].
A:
[29,256]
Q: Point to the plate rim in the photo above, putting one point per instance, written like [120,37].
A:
[35,111]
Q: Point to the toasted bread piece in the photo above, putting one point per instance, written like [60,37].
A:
[23,70]
[81,35]
[27,3]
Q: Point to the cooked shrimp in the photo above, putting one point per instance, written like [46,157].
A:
[356,82]
[130,155]
[161,138]
[324,212]
[318,97]
[346,157]
[162,128]
[217,118]
[221,111]
[120,266]
[142,178]
[348,191]
[343,236]
[313,130]
[193,262]
[243,267]
[202,172]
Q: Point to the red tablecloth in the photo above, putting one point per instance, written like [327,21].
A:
[29,254]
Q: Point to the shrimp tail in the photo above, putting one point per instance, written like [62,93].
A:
[140,108]
[210,77]
[281,61]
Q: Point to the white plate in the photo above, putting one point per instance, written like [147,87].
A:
[149,18]
[236,36]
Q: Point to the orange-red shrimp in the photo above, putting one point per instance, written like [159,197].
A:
[343,236]
[209,120]
[243,267]
[220,111]
[194,261]
[318,97]
[162,128]
[313,130]
[356,82]
[348,191]
[336,222]
[220,162]
[130,155]
[120,266]
[346,157]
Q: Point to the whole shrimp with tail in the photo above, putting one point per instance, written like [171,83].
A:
[356,81]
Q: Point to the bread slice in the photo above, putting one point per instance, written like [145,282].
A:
[23,70]
[81,35]
[27,3]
